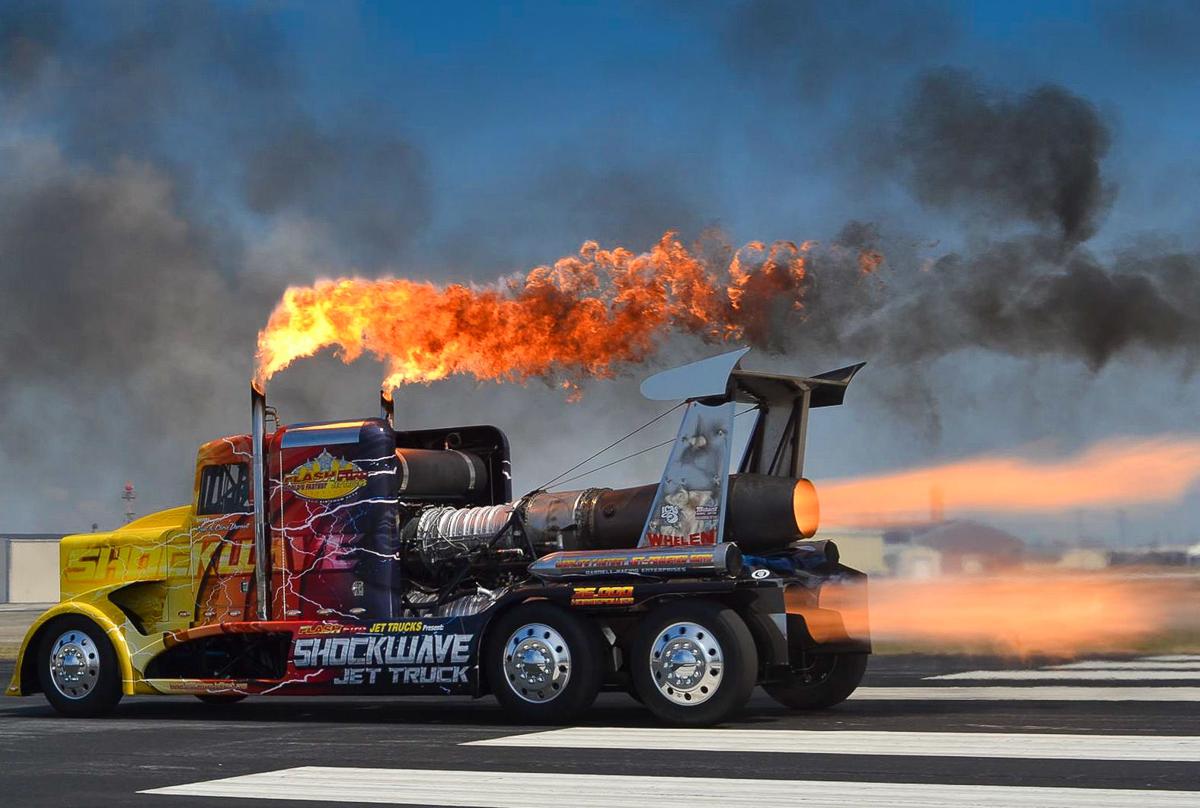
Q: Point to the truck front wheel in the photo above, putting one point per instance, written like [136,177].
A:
[694,662]
[77,668]
[545,665]
[829,680]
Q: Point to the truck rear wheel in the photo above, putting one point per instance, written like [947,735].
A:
[77,668]
[694,662]
[544,664]
[828,681]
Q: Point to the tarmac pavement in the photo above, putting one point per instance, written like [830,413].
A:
[994,738]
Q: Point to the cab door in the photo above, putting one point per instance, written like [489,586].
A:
[221,535]
[335,533]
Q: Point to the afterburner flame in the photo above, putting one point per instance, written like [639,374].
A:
[1035,612]
[1110,474]
[583,316]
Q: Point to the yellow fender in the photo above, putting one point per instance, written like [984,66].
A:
[109,620]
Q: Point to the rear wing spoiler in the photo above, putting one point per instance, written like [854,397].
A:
[824,390]
[776,445]
[690,503]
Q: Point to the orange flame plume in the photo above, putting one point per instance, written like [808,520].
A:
[1110,474]
[1036,612]
[585,315]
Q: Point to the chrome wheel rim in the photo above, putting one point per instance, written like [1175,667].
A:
[687,664]
[537,662]
[74,665]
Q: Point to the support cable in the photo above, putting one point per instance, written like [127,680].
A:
[587,460]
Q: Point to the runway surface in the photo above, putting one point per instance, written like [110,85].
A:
[923,731]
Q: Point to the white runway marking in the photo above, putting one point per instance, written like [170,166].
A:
[853,742]
[1173,658]
[544,790]
[1033,693]
[1133,665]
[1079,676]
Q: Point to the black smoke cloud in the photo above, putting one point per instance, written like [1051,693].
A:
[814,50]
[1021,296]
[117,321]
[129,299]
[29,33]
[174,77]
[1026,172]
[963,146]
[369,188]
[1021,172]
[598,192]
[1161,37]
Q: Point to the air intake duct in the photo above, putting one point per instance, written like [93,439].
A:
[445,475]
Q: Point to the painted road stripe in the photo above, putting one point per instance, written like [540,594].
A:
[1133,665]
[1173,658]
[544,790]
[1176,748]
[1076,676]
[1032,693]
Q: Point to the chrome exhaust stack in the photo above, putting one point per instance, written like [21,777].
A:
[262,539]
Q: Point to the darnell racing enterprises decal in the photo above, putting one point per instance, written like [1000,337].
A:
[424,658]
[325,477]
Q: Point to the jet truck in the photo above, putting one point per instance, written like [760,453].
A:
[362,557]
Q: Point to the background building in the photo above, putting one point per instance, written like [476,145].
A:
[29,567]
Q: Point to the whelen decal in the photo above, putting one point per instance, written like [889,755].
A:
[691,539]
[602,596]
[325,477]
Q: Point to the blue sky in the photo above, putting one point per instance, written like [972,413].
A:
[492,91]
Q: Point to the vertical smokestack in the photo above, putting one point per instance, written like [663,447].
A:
[262,545]
[387,408]
[937,504]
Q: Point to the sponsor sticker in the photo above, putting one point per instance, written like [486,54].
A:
[402,627]
[602,596]
[325,478]
[326,629]
[672,540]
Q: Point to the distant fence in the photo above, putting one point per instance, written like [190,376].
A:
[29,567]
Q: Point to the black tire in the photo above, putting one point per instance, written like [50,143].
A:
[831,680]
[542,692]
[695,702]
[220,699]
[89,682]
